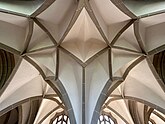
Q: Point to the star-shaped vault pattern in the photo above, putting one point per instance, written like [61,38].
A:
[80,59]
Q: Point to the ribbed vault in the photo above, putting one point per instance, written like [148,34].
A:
[86,61]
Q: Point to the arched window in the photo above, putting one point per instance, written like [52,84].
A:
[61,119]
[105,119]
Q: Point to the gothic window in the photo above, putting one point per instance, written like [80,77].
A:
[105,119]
[61,119]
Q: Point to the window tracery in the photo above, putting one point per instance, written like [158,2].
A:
[105,119]
[61,119]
